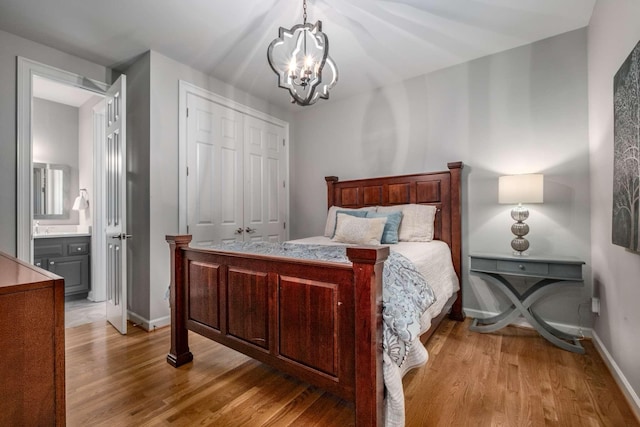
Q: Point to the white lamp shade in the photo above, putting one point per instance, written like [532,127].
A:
[527,188]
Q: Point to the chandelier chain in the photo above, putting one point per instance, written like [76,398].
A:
[304,11]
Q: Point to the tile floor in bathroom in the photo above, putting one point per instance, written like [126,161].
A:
[80,311]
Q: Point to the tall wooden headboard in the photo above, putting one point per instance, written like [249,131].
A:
[441,189]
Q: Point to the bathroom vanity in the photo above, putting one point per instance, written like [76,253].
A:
[67,255]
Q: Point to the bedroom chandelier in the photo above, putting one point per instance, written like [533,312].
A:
[300,58]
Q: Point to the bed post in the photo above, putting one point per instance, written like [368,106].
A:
[367,267]
[455,169]
[330,192]
[179,353]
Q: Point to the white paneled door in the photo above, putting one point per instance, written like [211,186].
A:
[214,168]
[114,206]
[264,181]
[236,175]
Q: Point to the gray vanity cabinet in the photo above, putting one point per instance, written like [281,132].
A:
[68,257]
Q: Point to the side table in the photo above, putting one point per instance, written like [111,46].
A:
[496,269]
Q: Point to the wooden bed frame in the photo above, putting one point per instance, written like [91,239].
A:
[318,321]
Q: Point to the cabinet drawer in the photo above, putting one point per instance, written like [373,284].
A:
[523,267]
[48,248]
[78,248]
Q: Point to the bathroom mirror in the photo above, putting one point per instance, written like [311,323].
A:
[50,191]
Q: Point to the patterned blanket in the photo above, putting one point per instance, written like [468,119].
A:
[406,295]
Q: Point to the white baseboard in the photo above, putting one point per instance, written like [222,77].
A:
[618,375]
[149,325]
[521,321]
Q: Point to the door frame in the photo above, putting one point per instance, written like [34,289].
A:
[185,88]
[27,69]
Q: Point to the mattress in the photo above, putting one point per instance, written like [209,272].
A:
[433,261]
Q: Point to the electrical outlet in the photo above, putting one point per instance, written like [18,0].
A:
[595,305]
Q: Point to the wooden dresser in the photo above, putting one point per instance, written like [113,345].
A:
[32,390]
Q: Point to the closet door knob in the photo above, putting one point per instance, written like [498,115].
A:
[239,230]
[250,230]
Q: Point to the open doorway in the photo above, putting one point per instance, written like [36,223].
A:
[62,122]
[71,199]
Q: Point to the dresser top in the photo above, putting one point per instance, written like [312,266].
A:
[527,258]
[17,274]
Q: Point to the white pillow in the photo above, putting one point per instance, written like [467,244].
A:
[362,231]
[417,222]
[330,226]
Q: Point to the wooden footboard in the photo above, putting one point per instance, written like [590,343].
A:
[318,321]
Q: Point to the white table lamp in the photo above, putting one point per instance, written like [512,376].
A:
[520,189]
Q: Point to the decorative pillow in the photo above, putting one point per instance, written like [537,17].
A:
[330,226]
[362,231]
[358,214]
[417,222]
[390,233]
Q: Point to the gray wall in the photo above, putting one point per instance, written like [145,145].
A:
[10,47]
[55,140]
[613,32]
[138,129]
[519,111]
[85,155]
[156,143]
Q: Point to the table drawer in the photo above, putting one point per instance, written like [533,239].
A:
[523,267]
[560,269]
[566,271]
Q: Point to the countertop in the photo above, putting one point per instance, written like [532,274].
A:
[60,234]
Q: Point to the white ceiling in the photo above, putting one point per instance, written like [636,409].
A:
[373,42]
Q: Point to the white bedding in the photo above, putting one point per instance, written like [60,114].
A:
[433,261]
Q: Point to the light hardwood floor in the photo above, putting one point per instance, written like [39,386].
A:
[510,378]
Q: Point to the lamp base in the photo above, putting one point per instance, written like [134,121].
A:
[520,229]
[520,245]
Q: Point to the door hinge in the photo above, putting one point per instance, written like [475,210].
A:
[187,170]
[283,184]
[283,142]
[187,112]
[187,229]
[284,225]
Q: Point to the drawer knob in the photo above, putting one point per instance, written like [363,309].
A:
[521,267]
[79,249]
[51,262]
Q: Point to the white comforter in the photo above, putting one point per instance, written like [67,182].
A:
[433,261]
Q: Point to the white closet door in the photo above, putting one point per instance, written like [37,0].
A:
[215,170]
[264,178]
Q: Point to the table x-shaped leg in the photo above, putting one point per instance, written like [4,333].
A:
[521,304]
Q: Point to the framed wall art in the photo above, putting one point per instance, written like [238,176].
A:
[626,152]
